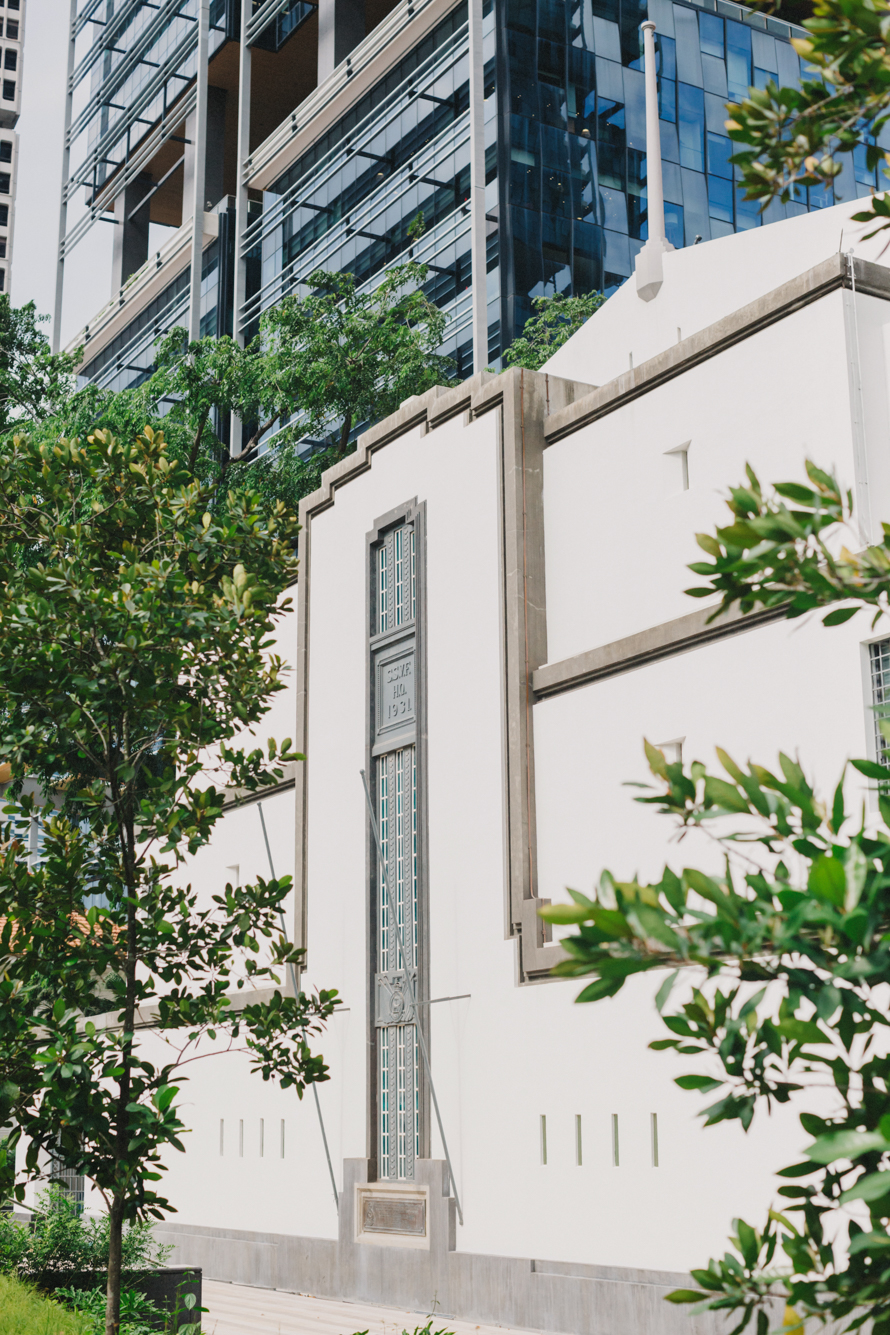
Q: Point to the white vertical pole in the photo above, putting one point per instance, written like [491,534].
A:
[66,166]
[199,149]
[649,266]
[477,189]
[654,185]
[241,205]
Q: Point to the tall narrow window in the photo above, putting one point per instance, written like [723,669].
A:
[614,1140]
[241,1140]
[222,1135]
[281,1147]
[396,891]
[69,1180]
[879,660]
[543,1138]
[578,1153]
[653,1118]
[262,1137]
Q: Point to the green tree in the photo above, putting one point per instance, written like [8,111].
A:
[135,659]
[788,945]
[555,320]
[791,137]
[325,363]
[343,356]
[34,383]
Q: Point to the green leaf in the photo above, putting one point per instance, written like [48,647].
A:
[839,616]
[828,880]
[684,1296]
[872,1187]
[664,992]
[802,1031]
[657,762]
[601,988]
[871,770]
[845,1145]
[856,868]
[726,795]
[652,925]
[702,1082]
[563,913]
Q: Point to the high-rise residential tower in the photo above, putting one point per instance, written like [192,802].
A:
[315,133]
[12,32]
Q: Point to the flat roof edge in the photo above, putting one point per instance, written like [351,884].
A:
[829,275]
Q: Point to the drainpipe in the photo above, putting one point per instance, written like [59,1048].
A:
[649,266]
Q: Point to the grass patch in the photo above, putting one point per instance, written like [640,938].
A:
[24,1311]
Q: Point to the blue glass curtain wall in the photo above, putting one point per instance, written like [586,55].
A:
[573,141]
[347,203]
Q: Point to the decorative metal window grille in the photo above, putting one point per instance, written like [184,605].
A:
[70,1181]
[879,658]
[398,1106]
[394,751]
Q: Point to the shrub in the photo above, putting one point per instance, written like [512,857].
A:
[139,1315]
[23,1311]
[62,1238]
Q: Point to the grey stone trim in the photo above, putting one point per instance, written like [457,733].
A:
[240,797]
[830,276]
[647,646]
[524,399]
[527,398]
[521,1292]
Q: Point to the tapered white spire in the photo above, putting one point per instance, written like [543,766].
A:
[649,268]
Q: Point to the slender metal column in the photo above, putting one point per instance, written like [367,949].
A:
[412,996]
[477,189]
[649,266]
[293,983]
[241,205]
[200,152]
[66,167]
[241,200]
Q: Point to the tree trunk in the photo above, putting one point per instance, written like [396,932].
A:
[115,1251]
[344,434]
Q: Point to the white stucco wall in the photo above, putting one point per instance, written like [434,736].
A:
[619,528]
[704,283]
[618,535]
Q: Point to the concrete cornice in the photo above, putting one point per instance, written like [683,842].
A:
[240,797]
[427,411]
[830,276]
[647,646]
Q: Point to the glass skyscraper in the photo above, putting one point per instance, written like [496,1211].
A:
[350,136]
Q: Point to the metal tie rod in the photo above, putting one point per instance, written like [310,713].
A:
[293,980]
[410,985]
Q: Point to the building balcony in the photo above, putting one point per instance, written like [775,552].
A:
[142,287]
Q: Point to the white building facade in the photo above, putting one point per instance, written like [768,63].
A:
[12,33]
[490,617]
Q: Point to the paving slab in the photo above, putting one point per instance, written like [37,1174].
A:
[239,1309]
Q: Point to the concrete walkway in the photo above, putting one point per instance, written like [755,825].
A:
[237,1309]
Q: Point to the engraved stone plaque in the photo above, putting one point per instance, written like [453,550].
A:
[383,1214]
[395,692]
[394,998]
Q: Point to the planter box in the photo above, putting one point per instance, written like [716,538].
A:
[165,1287]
